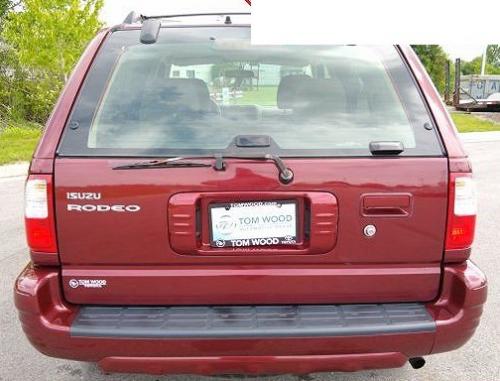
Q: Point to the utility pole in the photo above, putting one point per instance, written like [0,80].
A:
[456,90]
[447,88]
[483,64]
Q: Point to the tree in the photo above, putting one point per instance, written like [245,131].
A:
[5,7]
[471,67]
[492,62]
[8,68]
[493,55]
[50,35]
[47,37]
[434,59]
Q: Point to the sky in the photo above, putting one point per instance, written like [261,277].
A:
[115,11]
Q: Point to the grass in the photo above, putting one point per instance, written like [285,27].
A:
[18,141]
[264,96]
[471,123]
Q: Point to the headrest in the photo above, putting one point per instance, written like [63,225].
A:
[321,96]
[288,89]
[184,94]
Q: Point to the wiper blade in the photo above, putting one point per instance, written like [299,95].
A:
[175,162]
[285,173]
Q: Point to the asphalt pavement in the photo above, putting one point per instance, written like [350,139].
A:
[478,360]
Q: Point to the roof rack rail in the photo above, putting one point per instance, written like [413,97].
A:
[134,17]
[196,15]
[151,24]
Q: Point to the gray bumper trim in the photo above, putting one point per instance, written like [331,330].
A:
[252,321]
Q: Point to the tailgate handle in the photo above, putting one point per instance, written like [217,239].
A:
[386,205]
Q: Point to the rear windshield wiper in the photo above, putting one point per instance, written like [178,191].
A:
[175,162]
[285,173]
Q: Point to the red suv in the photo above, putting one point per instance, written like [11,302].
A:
[199,204]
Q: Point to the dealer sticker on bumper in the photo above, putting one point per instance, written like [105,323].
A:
[254,223]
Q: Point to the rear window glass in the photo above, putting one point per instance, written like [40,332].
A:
[197,89]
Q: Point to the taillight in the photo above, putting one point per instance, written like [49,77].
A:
[461,212]
[39,219]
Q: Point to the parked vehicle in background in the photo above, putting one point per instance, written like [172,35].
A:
[474,92]
[481,86]
[480,93]
[199,204]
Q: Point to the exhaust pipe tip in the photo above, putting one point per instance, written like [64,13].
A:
[417,362]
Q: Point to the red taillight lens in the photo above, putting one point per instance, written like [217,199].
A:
[39,216]
[462,212]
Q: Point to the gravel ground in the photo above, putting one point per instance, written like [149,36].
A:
[478,360]
[492,116]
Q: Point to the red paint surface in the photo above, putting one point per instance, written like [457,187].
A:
[177,285]
[253,365]
[141,240]
[46,318]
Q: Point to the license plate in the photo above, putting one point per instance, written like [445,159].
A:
[253,223]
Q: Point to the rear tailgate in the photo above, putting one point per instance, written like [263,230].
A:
[121,243]
[366,228]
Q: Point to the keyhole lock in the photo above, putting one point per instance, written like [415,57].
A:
[370,230]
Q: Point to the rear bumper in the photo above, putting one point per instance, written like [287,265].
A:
[47,321]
